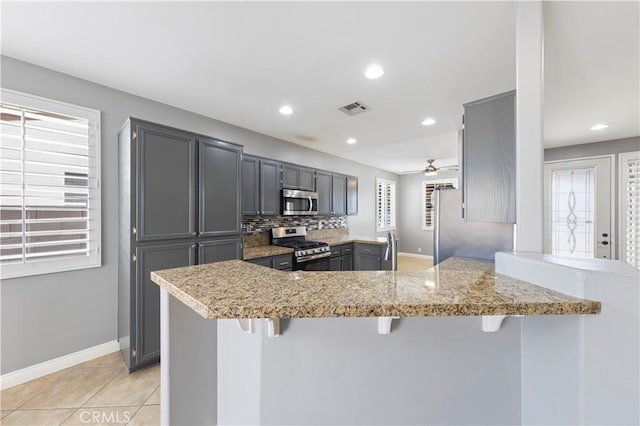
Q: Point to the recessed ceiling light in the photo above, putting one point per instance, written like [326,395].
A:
[351,141]
[600,126]
[428,122]
[286,110]
[373,72]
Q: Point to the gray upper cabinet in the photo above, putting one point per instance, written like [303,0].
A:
[219,250]
[339,194]
[147,295]
[296,177]
[165,184]
[220,188]
[352,195]
[306,179]
[332,193]
[269,187]
[260,186]
[323,188]
[250,185]
[488,159]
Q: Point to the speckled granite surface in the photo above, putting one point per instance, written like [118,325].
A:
[264,251]
[347,239]
[252,251]
[456,287]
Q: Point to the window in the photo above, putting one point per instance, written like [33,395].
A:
[385,205]
[630,208]
[49,186]
[428,186]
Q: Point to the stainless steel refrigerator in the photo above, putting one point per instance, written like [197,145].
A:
[455,237]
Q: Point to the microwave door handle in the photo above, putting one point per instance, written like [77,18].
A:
[310,204]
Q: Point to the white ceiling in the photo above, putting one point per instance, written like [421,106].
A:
[592,72]
[239,62]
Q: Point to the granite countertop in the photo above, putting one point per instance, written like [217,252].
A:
[455,287]
[257,252]
[348,239]
[249,253]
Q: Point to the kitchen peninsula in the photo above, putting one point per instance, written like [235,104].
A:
[331,362]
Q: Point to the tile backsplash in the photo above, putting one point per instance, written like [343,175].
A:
[253,225]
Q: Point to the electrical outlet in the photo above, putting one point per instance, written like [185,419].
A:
[419,249]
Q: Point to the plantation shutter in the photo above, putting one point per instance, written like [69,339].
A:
[630,165]
[428,203]
[385,205]
[48,190]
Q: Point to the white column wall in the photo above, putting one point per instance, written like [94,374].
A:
[529,127]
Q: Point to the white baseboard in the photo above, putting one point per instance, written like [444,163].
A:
[418,256]
[39,370]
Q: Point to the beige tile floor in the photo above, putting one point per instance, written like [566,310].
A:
[98,392]
[407,263]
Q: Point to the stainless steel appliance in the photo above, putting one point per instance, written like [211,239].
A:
[299,203]
[455,237]
[307,255]
[391,252]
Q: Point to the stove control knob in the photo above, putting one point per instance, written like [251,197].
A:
[302,253]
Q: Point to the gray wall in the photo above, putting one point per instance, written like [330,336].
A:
[47,316]
[592,149]
[410,233]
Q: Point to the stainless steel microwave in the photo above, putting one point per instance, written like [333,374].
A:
[299,203]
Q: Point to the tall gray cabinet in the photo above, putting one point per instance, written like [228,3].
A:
[489,159]
[180,204]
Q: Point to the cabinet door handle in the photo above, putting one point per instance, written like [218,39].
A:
[284,263]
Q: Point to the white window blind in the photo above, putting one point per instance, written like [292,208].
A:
[630,211]
[428,207]
[49,186]
[385,205]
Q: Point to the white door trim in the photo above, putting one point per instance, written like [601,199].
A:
[615,183]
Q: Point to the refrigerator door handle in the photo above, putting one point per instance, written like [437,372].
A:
[436,227]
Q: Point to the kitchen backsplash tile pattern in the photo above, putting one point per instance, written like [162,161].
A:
[253,225]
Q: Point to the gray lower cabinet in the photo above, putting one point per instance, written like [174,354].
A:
[367,257]
[489,159]
[165,182]
[179,204]
[219,250]
[283,262]
[341,258]
[145,297]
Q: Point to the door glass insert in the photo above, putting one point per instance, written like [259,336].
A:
[573,212]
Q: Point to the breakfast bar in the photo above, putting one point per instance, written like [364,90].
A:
[319,347]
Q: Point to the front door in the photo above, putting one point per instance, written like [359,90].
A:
[578,208]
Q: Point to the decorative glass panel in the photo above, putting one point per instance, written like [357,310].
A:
[573,212]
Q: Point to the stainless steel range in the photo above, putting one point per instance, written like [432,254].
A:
[308,255]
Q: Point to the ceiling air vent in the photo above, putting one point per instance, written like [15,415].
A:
[354,108]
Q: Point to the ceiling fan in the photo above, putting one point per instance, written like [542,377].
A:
[431,170]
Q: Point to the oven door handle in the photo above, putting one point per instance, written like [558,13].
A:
[313,257]
[310,204]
